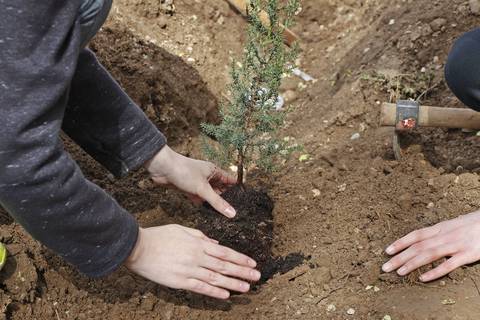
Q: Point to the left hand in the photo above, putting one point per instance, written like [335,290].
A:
[458,239]
[200,180]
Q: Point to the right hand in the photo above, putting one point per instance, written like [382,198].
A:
[184,258]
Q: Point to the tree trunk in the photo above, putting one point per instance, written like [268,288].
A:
[240,168]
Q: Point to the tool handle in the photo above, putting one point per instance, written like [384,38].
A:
[435,117]
[241,5]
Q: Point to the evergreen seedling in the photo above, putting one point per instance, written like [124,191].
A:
[249,121]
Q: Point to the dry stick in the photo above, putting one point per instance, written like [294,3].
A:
[475,284]
[241,5]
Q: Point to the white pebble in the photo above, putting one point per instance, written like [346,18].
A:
[351,311]
[331,308]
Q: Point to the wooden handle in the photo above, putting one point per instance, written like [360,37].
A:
[241,5]
[435,117]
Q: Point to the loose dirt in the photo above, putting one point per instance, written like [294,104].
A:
[342,206]
[250,232]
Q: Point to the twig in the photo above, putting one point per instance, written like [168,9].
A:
[476,286]
[56,313]
[426,91]
[328,294]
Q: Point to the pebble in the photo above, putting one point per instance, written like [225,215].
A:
[474,6]
[438,23]
[355,136]
[351,311]
[387,317]
[331,308]
[431,205]
[290,96]
[316,193]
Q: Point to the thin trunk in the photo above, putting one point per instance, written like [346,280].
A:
[240,168]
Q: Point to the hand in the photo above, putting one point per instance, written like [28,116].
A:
[457,239]
[201,180]
[184,258]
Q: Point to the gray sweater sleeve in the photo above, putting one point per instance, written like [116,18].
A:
[40,185]
[105,122]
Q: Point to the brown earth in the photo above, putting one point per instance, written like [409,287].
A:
[342,206]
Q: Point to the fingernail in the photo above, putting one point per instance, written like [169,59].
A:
[252,263]
[255,274]
[245,286]
[390,250]
[230,212]
[402,271]
[387,267]
[422,278]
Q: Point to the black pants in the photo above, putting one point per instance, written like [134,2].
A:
[462,71]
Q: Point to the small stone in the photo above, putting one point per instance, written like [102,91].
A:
[391,22]
[387,317]
[290,96]
[331,308]
[447,302]
[376,289]
[355,136]
[351,311]
[342,187]
[474,6]
[316,193]
[438,23]
[431,205]
[304,157]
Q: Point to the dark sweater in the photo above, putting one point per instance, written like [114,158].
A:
[48,82]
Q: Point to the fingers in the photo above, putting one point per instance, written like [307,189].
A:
[445,268]
[206,289]
[225,178]
[229,255]
[217,202]
[411,238]
[218,175]
[425,257]
[220,281]
[416,249]
[230,269]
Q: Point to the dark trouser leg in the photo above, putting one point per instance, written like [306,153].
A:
[462,71]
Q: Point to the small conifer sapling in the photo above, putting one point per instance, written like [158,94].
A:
[247,133]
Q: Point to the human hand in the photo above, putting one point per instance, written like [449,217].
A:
[184,258]
[201,180]
[457,239]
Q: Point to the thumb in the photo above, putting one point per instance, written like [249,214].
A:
[217,202]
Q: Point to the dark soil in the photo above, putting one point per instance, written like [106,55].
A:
[343,206]
[250,232]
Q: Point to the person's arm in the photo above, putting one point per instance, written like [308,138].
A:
[456,239]
[105,122]
[40,185]
[45,191]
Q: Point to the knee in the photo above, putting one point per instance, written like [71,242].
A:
[462,71]
[87,58]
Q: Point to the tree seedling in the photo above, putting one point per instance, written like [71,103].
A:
[247,134]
